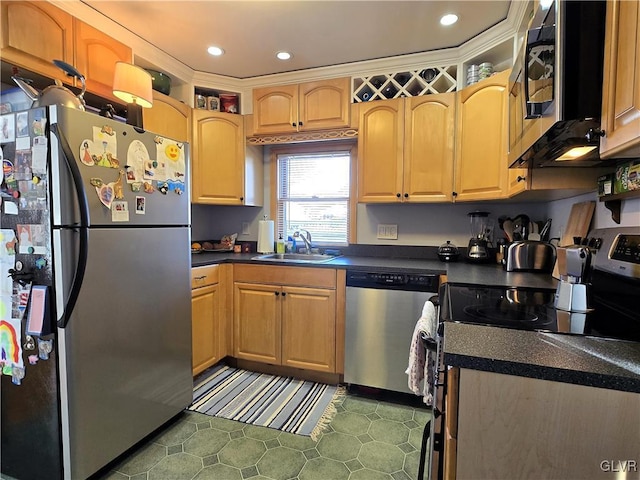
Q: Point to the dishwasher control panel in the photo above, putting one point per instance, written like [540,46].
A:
[427,282]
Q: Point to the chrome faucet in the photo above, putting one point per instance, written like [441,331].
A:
[305,238]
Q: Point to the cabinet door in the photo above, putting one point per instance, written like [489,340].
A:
[275,109]
[204,337]
[96,57]
[428,148]
[34,34]
[518,181]
[308,328]
[168,117]
[621,84]
[324,104]
[380,143]
[257,327]
[481,168]
[217,175]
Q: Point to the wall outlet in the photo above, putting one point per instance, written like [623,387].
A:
[387,232]
[245,228]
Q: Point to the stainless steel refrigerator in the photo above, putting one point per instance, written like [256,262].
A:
[100,303]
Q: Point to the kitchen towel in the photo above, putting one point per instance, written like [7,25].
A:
[422,361]
[265,236]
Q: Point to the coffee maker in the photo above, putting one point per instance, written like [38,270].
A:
[572,290]
[481,229]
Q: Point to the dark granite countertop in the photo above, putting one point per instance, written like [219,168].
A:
[457,272]
[582,360]
[564,358]
[495,275]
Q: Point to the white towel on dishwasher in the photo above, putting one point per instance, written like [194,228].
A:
[422,361]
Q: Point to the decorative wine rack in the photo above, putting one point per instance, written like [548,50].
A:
[404,84]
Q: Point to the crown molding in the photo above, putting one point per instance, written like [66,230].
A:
[149,56]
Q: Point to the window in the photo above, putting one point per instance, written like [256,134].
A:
[313,192]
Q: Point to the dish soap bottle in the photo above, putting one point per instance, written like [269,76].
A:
[280,245]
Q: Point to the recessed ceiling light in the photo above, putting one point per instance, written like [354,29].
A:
[216,51]
[283,55]
[449,19]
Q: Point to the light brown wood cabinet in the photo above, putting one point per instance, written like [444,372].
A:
[168,117]
[621,83]
[96,55]
[518,427]
[318,105]
[205,317]
[405,149]
[224,170]
[481,163]
[285,316]
[36,33]
[211,291]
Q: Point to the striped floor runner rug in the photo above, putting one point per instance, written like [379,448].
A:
[283,403]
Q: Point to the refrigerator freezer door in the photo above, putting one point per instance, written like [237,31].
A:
[134,150]
[125,355]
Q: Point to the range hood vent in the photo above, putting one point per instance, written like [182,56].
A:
[555,88]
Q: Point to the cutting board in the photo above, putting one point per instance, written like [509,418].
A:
[578,222]
[577,226]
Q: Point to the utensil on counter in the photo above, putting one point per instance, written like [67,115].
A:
[521,227]
[545,230]
[507,226]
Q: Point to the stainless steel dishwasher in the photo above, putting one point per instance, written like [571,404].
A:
[382,309]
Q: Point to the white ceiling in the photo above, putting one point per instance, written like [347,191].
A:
[318,33]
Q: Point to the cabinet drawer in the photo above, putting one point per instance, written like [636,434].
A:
[281,275]
[203,276]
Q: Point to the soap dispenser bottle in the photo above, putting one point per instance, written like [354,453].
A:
[280,245]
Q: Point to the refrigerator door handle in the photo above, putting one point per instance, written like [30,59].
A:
[83,204]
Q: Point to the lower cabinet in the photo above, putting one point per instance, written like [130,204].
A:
[517,427]
[285,316]
[211,335]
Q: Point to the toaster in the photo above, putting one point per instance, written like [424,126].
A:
[529,255]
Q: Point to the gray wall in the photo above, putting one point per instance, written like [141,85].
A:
[418,224]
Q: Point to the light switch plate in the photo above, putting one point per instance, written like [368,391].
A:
[387,232]
[245,228]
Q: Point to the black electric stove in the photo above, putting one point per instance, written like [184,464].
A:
[613,286]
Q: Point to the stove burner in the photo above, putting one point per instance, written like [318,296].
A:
[509,316]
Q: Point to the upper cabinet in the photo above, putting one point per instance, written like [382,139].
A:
[302,107]
[405,149]
[96,55]
[168,117]
[621,83]
[224,170]
[34,34]
[481,169]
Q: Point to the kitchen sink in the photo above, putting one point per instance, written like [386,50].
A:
[295,257]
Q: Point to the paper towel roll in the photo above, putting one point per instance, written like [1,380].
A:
[265,236]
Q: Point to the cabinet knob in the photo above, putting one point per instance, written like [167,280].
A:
[242,199]
[398,195]
[455,194]
[521,178]
[293,124]
[406,195]
[284,294]
[300,123]
[277,293]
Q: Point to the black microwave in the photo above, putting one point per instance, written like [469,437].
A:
[555,87]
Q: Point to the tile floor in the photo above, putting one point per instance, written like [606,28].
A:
[368,439]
